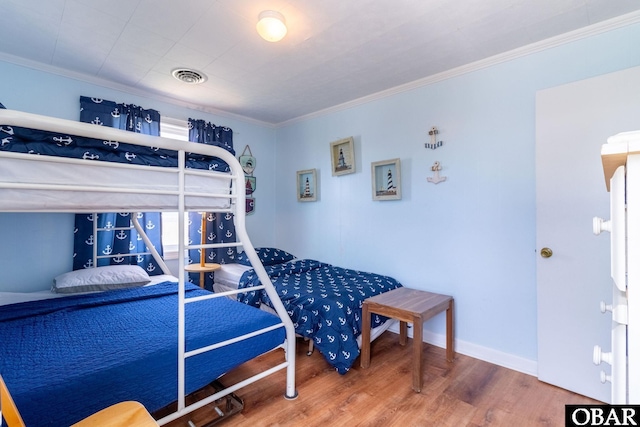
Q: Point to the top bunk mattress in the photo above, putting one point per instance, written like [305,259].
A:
[40,172]
[69,185]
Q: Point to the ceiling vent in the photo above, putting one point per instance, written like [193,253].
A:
[188,76]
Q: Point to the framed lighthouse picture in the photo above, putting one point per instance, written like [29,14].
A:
[386,180]
[307,186]
[342,157]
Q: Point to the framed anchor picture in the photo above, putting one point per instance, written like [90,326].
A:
[342,157]
[307,186]
[386,180]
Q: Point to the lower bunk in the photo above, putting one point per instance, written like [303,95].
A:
[66,358]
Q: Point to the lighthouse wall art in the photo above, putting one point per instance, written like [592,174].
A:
[386,180]
[342,157]
[307,185]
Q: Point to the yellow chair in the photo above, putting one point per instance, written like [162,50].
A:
[119,415]
[8,408]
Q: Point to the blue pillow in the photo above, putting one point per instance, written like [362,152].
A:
[2,106]
[268,256]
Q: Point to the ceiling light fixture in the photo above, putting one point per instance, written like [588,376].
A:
[271,26]
[189,76]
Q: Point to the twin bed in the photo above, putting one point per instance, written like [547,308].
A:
[324,301]
[66,356]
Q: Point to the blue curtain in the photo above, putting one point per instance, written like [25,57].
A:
[219,226]
[118,242]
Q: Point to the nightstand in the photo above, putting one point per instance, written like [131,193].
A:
[199,268]
[407,305]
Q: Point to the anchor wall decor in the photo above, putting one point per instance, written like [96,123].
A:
[436,178]
[433,144]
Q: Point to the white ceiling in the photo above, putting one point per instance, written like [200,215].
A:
[336,51]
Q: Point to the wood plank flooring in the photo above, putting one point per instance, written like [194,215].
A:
[467,392]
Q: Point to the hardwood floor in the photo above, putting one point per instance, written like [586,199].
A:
[467,392]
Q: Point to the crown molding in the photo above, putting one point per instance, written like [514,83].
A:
[582,33]
[591,30]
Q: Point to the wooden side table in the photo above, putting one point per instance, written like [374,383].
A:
[199,268]
[407,305]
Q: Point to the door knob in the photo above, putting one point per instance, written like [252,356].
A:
[546,253]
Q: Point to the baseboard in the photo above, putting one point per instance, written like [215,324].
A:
[490,355]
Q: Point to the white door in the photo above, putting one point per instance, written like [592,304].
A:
[572,123]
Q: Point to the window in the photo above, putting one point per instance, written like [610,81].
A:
[176,129]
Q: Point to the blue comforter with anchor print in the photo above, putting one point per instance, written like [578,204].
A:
[32,141]
[324,302]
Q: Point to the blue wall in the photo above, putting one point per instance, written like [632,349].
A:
[30,263]
[472,236]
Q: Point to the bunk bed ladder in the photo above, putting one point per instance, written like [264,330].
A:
[237,206]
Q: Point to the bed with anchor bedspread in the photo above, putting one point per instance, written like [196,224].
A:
[32,141]
[324,303]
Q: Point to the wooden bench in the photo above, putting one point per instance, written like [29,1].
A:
[407,305]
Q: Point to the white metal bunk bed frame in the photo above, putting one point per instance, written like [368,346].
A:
[235,195]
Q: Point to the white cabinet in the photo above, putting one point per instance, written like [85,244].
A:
[621,164]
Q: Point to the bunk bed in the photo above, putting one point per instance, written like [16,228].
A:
[65,357]
[324,301]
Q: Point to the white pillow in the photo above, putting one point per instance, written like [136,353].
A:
[100,279]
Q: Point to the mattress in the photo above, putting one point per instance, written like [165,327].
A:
[155,188]
[41,159]
[7,298]
[66,358]
[228,277]
[324,302]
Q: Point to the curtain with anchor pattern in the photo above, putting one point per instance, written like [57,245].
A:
[219,226]
[119,240]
